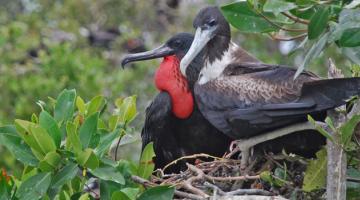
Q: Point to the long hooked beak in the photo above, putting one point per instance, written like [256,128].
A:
[159,52]
[201,38]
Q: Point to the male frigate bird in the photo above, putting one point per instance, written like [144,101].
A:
[173,122]
[245,99]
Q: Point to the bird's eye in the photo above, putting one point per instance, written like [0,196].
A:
[177,43]
[212,22]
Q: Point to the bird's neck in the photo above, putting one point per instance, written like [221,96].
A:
[216,48]
[214,66]
[169,78]
[219,54]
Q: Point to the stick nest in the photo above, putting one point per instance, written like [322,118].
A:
[267,176]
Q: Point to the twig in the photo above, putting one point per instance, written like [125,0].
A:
[189,157]
[188,195]
[147,183]
[295,19]
[232,178]
[355,110]
[188,183]
[336,162]
[233,150]
[277,37]
[250,192]
[118,144]
[279,26]
[214,187]
[252,197]
[351,179]
[142,181]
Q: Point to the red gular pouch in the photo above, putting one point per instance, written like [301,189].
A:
[169,78]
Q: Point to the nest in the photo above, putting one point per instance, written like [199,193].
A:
[267,176]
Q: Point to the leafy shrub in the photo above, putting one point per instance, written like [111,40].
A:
[319,24]
[61,151]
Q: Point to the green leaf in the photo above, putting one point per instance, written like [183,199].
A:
[80,104]
[11,140]
[243,17]
[67,173]
[4,193]
[273,180]
[118,195]
[105,142]
[109,174]
[320,129]
[318,23]
[266,176]
[128,109]
[350,16]
[113,122]
[43,139]
[6,185]
[88,130]
[23,128]
[64,107]
[131,192]
[353,188]
[348,19]
[353,54]
[76,184]
[107,188]
[314,52]
[158,193]
[47,122]
[330,123]
[84,197]
[63,196]
[277,6]
[96,104]
[315,174]
[348,128]
[127,168]
[101,124]
[350,38]
[88,159]
[34,118]
[146,164]
[35,187]
[73,139]
[50,161]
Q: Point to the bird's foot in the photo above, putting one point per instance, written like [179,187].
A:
[244,145]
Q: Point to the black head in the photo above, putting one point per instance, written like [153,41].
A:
[177,45]
[212,31]
[180,44]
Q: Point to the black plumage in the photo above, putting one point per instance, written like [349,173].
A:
[174,137]
[243,98]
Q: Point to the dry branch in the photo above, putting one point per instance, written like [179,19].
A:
[188,183]
[336,170]
[295,19]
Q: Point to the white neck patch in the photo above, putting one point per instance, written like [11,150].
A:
[213,70]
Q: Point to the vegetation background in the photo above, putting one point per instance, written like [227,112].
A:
[49,45]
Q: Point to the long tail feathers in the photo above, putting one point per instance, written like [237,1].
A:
[331,92]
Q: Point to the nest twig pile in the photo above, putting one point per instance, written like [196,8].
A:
[269,177]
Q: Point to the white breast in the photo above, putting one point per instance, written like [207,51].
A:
[212,70]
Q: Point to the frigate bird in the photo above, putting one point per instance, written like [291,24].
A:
[243,98]
[173,122]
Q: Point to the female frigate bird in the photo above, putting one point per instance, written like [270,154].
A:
[173,122]
[248,99]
